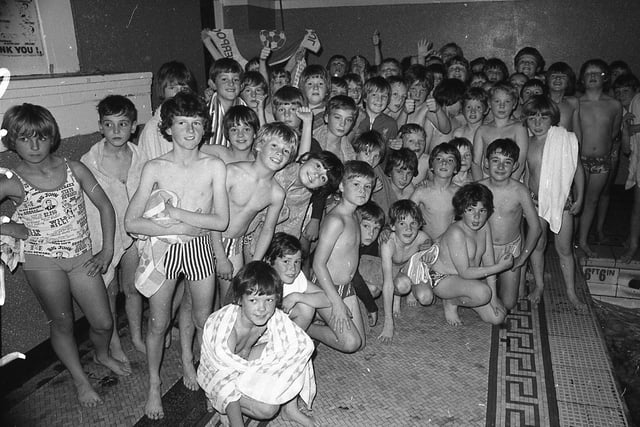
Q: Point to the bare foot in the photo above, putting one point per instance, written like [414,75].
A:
[209,406]
[153,408]
[411,300]
[575,301]
[535,296]
[115,348]
[587,250]
[118,367]
[628,255]
[373,318]
[396,307]
[189,376]
[87,396]
[139,345]
[224,420]
[291,412]
[451,313]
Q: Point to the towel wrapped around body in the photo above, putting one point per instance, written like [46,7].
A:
[283,370]
[559,164]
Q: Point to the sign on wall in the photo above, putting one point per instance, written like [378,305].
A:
[21,44]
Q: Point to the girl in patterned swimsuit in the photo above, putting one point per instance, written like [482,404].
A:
[51,218]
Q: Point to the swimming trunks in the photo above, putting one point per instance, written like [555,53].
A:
[512,248]
[233,246]
[343,291]
[596,165]
[194,259]
[436,278]
[567,204]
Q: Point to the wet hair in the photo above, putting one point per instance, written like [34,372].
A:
[173,72]
[358,169]
[445,148]
[627,80]
[436,68]
[337,57]
[563,68]
[542,105]
[376,84]
[282,244]
[497,63]
[341,102]
[254,78]
[620,64]
[225,65]
[460,142]
[288,95]
[394,80]
[504,86]
[506,147]
[278,130]
[353,78]
[454,46]
[353,58]
[186,104]
[252,64]
[479,60]
[369,141]
[240,114]
[404,208]
[532,51]
[277,70]
[418,74]
[339,82]
[476,94]
[449,91]
[332,165]
[534,83]
[595,63]
[115,105]
[470,195]
[480,74]
[393,61]
[461,60]
[403,158]
[314,70]
[257,278]
[371,211]
[30,120]
[410,128]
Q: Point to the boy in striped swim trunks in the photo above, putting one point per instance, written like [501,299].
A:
[193,204]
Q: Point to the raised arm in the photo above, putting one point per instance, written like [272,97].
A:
[305,114]
[377,52]
[478,147]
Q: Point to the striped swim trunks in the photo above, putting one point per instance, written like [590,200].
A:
[194,259]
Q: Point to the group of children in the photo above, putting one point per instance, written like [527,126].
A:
[280,206]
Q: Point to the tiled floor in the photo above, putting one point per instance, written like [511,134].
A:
[548,367]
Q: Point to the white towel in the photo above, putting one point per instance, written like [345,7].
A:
[283,370]
[559,163]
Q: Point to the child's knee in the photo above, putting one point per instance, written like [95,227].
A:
[424,295]
[482,294]
[402,284]
[63,323]
[264,411]
[302,315]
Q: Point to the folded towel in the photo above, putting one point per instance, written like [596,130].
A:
[559,163]
[283,370]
